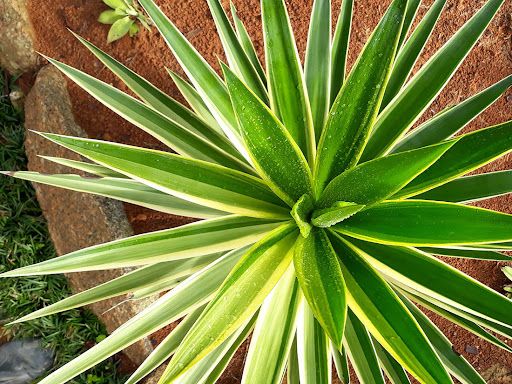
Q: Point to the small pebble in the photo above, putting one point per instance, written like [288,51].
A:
[471,349]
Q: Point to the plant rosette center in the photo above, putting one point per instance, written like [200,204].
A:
[307,215]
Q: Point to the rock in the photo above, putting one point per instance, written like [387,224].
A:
[23,361]
[17,54]
[76,220]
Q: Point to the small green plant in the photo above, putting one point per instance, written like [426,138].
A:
[123,17]
[508,288]
[321,209]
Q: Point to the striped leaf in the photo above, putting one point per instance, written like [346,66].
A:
[470,152]
[198,182]
[467,253]
[356,108]
[453,361]
[247,45]
[410,14]
[394,371]
[428,275]
[314,355]
[143,277]
[361,351]
[341,364]
[234,51]
[161,102]
[287,88]
[319,274]
[385,316]
[177,137]
[203,77]
[273,152]
[412,222]
[411,50]
[191,240]
[339,50]
[91,168]
[376,180]
[450,121]
[273,334]
[166,348]
[194,100]
[126,190]
[317,66]
[472,188]
[423,88]
[256,274]
[183,299]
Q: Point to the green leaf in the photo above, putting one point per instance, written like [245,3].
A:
[385,316]
[166,348]
[314,355]
[191,240]
[317,66]
[376,180]
[411,50]
[255,275]
[199,182]
[223,363]
[472,188]
[467,253]
[429,276]
[93,169]
[287,88]
[115,3]
[177,137]
[423,88]
[411,222]
[465,320]
[391,367]
[195,101]
[273,152]
[339,50]
[273,335]
[453,361]
[452,119]
[301,213]
[292,371]
[341,363]
[357,105]
[142,277]
[247,45]
[134,29]
[109,17]
[161,102]
[320,278]
[126,190]
[361,351]
[410,14]
[214,363]
[189,295]
[341,210]
[120,28]
[235,53]
[204,79]
[470,152]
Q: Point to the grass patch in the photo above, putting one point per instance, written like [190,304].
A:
[24,240]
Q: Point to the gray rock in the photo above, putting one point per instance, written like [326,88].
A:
[23,361]
[17,54]
[76,220]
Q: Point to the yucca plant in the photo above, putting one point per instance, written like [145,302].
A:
[322,212]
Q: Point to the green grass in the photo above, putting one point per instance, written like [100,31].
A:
[24,240]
